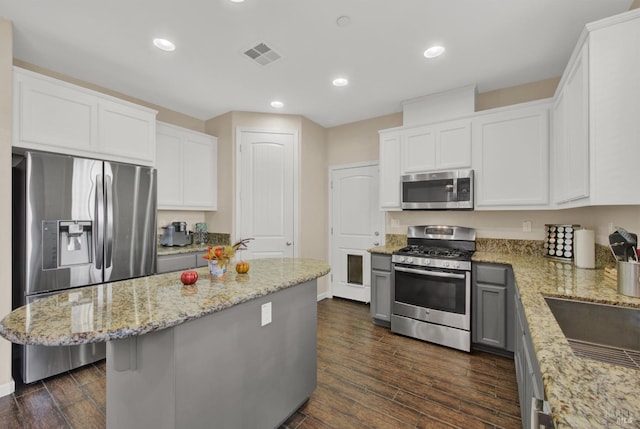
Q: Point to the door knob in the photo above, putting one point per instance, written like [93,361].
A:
[289,243]
[376,233]
[376,243]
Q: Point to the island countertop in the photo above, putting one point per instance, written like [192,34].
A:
[117,310]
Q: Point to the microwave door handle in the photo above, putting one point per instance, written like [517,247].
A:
[431,273]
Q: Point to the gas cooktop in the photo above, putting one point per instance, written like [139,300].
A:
[437,246]
[435,252]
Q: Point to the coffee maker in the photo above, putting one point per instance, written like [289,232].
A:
[176,234]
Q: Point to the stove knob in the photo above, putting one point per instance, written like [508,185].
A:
[445,264]
[400,258]
[427,261]
[409,260]
[455,265]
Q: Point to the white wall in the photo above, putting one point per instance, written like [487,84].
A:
[6,83]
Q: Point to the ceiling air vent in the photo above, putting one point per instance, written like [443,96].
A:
[262,54]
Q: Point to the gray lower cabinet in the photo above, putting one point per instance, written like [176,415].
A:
[527,370]
[179,262]
[493,321]
[381,289]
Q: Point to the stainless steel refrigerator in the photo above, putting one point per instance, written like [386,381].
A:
[77,222]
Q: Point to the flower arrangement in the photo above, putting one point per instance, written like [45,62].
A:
[222,255]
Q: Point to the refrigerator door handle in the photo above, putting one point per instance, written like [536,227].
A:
[99,213]
[109,221]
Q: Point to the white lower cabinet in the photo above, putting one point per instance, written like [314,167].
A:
[187,167]
[511,157]
[56,116]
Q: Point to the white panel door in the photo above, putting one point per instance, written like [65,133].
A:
[356,225]
[266,193]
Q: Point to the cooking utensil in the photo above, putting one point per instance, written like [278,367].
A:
[631,242]
[616,244]
[623,245]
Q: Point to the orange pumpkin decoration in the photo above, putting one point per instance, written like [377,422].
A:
[242,267]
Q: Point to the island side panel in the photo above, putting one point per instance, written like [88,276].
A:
[143,395]
[220,371]
[231,372]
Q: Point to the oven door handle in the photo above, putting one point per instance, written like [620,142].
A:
[431,273]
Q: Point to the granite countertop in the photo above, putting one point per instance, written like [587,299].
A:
[387,249]
[126,308]
[582,393]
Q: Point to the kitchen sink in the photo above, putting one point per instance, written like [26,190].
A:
[601,332]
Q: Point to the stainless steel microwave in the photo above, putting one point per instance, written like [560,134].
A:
[445,190]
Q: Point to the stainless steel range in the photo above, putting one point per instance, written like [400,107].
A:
[431,293]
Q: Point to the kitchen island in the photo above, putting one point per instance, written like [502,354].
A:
[234,353]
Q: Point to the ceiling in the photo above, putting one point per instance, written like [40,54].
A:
[491,43]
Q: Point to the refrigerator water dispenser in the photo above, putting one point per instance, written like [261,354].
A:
[66,243]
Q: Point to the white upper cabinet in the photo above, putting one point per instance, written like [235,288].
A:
[126,131]
[390,171]
[56,116]
[614,109]
[511,157]
[418,150]
[187,163]
[570,136]
[453,145]
[444,146]
[596,126]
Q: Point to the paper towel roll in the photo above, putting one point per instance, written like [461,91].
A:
[585,248]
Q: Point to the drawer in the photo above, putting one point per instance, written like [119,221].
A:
[168,263]
[492,274]
[380,262]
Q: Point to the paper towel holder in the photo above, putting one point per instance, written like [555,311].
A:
[585,248]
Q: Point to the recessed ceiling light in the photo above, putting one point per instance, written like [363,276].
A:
[434,51]
[164,44]
[341,81]
[237,1]
[277,104]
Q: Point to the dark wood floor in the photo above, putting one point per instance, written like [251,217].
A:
[367,378]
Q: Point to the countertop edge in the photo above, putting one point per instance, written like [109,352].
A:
[103,336]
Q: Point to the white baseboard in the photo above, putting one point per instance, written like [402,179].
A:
[324,295]
[7,388]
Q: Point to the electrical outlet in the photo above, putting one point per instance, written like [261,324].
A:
[266,314]
[526,226]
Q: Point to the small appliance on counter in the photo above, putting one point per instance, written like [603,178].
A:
[176,234]
[201,234]
[559,242]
